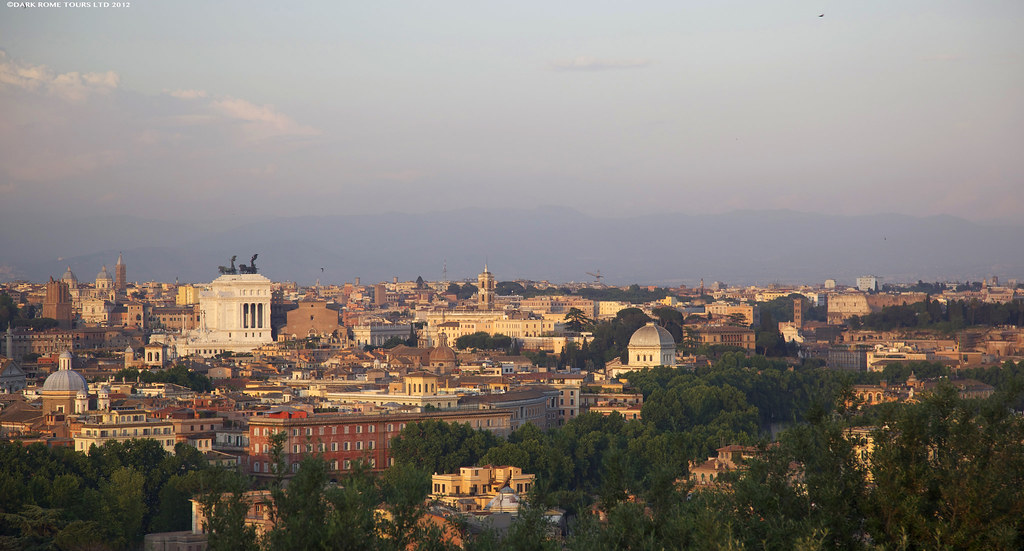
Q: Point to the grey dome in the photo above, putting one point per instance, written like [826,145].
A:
[104,275]
[69,278]
[652,335]
[505,501]
[65,380]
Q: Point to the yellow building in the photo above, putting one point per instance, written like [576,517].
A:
[558,305]
[742,337]
[418,389]
[124,425]
[863,441]
[607,309]
[474,488]
[729,458]
[187,294]
[459,324]
[750,312]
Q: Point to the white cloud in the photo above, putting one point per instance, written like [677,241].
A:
[188,94]
[182,131]
[587,63]
[73,86]
[260,121]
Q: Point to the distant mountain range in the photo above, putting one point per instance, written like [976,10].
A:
[552,243]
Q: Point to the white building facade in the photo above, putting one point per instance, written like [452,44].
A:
[234,317]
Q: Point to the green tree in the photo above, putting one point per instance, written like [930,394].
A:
[483,341]
[530,531]
[301,511]
[404,489]
[33,527]
[437,446]
[672,320]
[124,505]
[949,472]
[466,291]
[577,320]
[506,288]
[690,341]
[221,495]
[737,319]
[352,525]
[8,311]
[81,535]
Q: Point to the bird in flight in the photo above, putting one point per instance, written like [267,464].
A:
[821,15]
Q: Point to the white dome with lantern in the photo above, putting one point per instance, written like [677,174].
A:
[650,346]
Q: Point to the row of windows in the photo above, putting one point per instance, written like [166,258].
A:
[322,447]
[346,429]
[82,445]
[357,445]
[346,464]
[103,433]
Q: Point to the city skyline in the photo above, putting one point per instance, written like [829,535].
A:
[194,111]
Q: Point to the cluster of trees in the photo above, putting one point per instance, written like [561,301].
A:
[951,317]
[483,341]
[611,337]
[106,499]
[634,293]
[932,288]
[610,340]
[179,375]
[462,292]
[312,512]
[686,415]
[10,314]
[945,472]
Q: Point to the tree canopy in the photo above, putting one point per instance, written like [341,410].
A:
[483,341]
[179,375]
[107,498]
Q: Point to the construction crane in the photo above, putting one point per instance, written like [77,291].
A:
[597,276]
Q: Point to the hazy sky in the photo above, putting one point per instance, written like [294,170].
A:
[182,108]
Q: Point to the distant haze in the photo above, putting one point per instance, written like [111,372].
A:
[552,243]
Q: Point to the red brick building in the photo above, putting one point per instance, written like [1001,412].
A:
[345,439]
